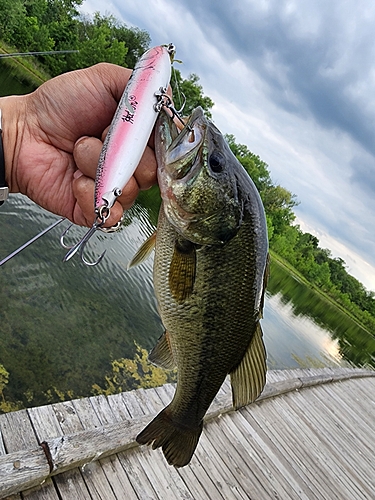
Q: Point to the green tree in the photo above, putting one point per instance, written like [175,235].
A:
[136,41]
[253,164]
[278,201]
[284,244]
[97,42]
[12,18]
[189,94]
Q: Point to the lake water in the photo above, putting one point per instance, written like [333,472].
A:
[62,324]
[12,81]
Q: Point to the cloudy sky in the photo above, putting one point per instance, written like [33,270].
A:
[294,80]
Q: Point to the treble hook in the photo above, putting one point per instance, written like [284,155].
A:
[63,234]
[80,246]
[164,100]
[101,217]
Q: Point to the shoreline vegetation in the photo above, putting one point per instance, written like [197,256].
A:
[26,67]
[45,25]
[298,276]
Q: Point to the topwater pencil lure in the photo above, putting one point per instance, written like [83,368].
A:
[143,98]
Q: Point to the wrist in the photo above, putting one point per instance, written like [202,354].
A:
[3,185]
[12,124]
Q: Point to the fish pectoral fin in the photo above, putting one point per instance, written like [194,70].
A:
[144,251]
[182,270]
[249,377]
[161,355]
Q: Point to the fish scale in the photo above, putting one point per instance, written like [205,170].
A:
[209,278]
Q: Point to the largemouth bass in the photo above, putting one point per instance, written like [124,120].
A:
[210,272]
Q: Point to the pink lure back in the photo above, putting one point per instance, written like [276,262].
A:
[132,125]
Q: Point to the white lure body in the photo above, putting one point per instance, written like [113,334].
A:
[132,125]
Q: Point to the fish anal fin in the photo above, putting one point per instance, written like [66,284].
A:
[144,251]
[182,270]
[161,355]
[249,377]
[177,442]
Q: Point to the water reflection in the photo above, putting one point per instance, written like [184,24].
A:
[296,341]
[323,331]
[12,81]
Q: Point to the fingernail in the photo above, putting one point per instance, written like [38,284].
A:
[77,174]
[81,139]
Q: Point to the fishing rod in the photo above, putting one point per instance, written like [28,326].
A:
[45,53]
[25,245]
[57,222]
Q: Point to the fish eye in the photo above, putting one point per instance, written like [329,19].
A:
[217,162]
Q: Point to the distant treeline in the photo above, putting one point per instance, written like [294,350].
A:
[301,249]
[42,25]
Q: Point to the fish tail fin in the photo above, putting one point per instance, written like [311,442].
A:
[177,442]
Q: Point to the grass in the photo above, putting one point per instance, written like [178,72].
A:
[28,67]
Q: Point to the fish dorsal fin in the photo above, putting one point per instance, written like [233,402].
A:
[265,282]
[182,270]
[144,251]
[161,355]
[249,377]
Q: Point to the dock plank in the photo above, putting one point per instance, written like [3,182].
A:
[138,477]
[165,480]
[18,434]
[46,423]
[310,436]
[341,422]
[93,474]
[295,468]
[327,461]
[275,472]
[321,446]
[112,466]
[246,477]
[292,447]
[200,482]
[347,445]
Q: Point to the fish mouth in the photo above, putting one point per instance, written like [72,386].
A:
[183,152]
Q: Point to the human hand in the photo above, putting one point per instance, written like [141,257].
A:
[53,137]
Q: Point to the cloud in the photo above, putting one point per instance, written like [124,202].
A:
[363,175]
[313,56]
[294,80]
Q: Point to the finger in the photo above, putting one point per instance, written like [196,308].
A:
[129,194]
[145,173]
[83,189]
[86,155]
[105,132]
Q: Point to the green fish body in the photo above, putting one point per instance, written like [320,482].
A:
[210,268]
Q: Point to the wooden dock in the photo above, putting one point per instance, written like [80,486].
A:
[311,435]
